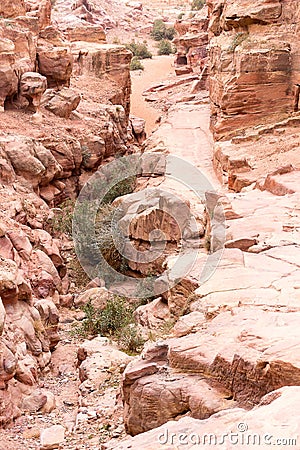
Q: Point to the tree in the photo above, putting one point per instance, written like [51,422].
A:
[198,4]
[161,31]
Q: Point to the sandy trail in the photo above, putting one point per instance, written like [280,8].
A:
[157,69]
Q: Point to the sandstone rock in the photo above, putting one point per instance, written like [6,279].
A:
[50,404]
[8,276]
[63,102]
[97,296]
[50,318]
[94,58]
[93,150]
[85,32]
[52,437]
[34,402]
[9,9]
[56,64]
[8,79]
[138,128]
[98,360]
[188,324]
[192,432]
[246,93]
[135,5]
[191,44]
[32,87]
[153,315]
[8,365]
[253,351]
[2,317]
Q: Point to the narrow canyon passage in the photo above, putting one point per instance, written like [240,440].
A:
[157,69]
[195,331]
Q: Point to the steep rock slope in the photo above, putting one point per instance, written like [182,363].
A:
[45,158]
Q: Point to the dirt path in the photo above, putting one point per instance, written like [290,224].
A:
[156,69]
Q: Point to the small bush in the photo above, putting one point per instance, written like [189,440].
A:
[115,320]
[161,31]
[139,49]
[136,64]
[197,5]
[105,238]
[165,47]
[130,339]
[62,219]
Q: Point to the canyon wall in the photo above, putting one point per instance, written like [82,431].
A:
[47,152]
[191,41]
[254,60]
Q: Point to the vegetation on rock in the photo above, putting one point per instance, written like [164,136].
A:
[139,49]
[166,48]
[161,31]
[197,5]
[115,320]
[136,64]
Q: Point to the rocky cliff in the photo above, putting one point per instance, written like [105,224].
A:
[253,63]
[191,42]
[230,358]
[47,152]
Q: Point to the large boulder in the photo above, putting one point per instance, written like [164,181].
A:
[63,102]
[32,87]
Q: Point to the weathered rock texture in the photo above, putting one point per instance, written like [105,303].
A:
[41,164]
[265,425]
[253,63]
[192,41]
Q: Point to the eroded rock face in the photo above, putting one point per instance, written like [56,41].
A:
[10,9]
[63,102]
[191,433]
[32,87]
[252,50]
[111,61]
[192,41]
[244,360]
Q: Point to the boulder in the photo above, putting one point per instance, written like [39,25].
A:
[32,87]
[56,64]
[62,103]
[97,296]
[53,437]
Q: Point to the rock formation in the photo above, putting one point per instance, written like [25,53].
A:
[39,167]
[223,351]
[253,63]
[192,42]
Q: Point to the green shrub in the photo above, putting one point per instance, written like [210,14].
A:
[139,49]
[115,320]
[62,219]
[165,47]
[197,5]
[124,187]
[136,64]
[130,339]
[117,314]
[105,238]
[161,31]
